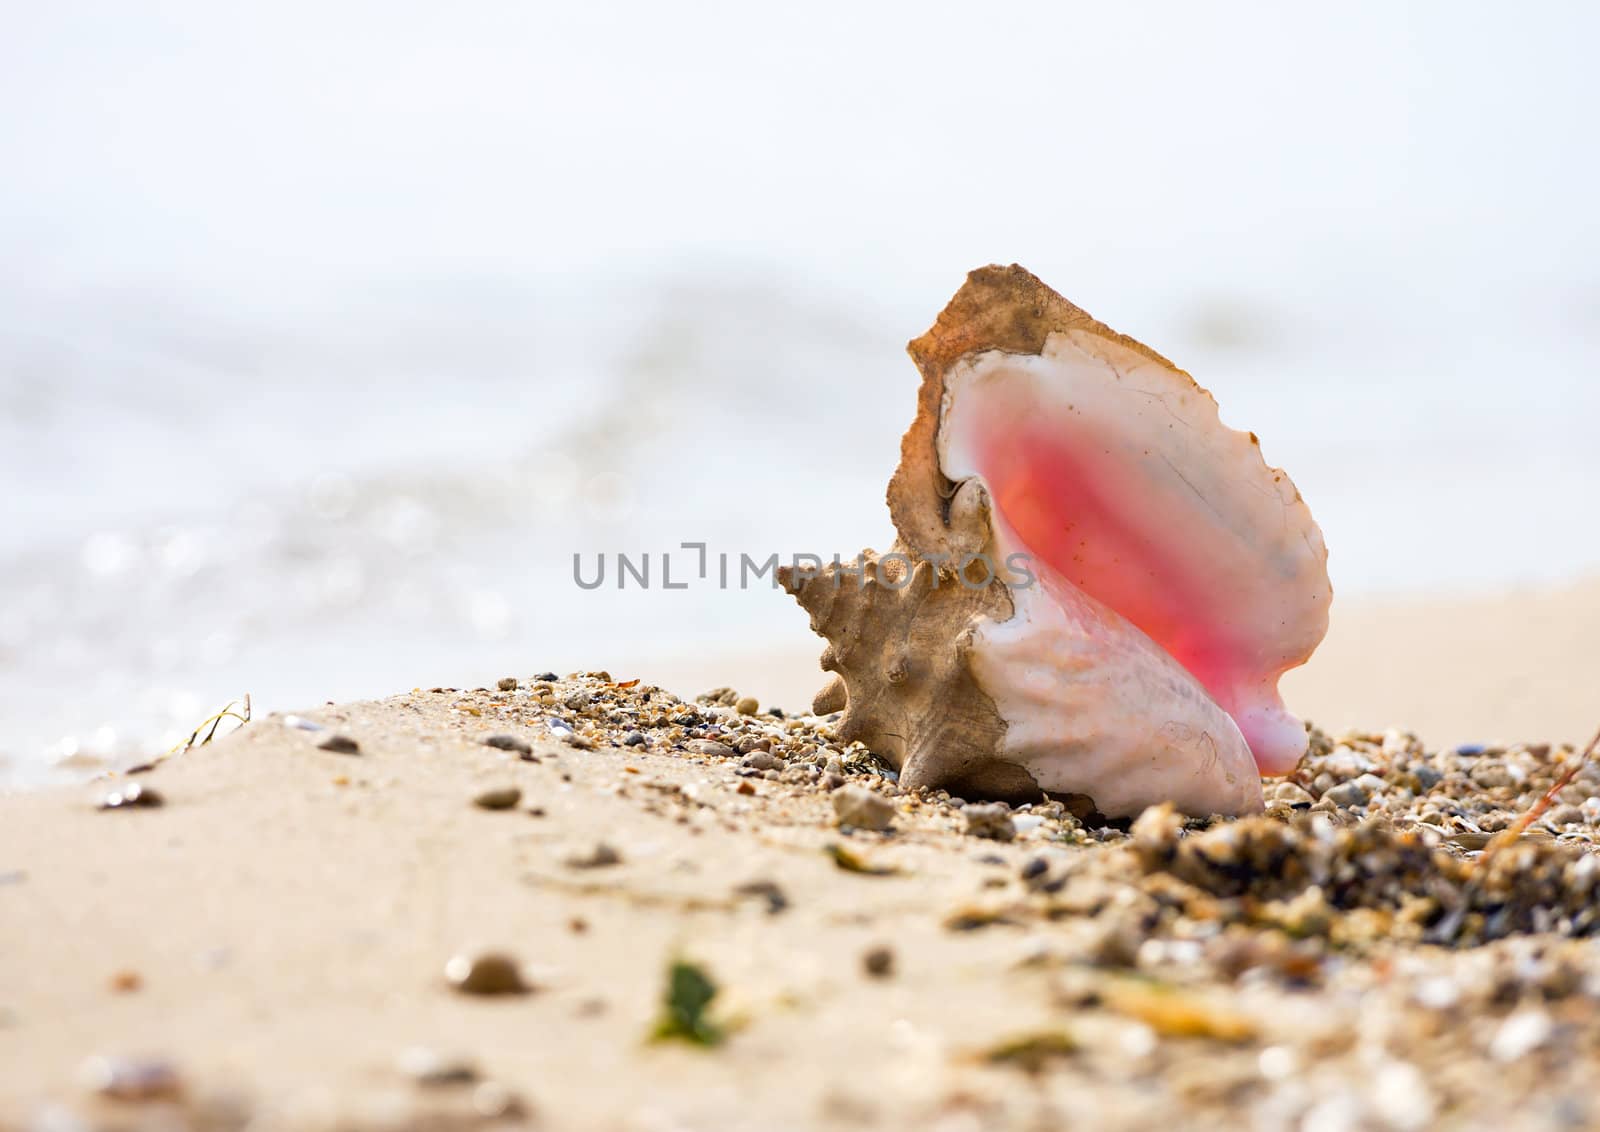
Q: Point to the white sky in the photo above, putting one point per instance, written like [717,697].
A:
[1139,148]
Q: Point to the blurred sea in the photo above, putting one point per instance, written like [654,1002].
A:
[394,496]
[329,334]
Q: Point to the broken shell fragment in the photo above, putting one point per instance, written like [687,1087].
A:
[1097,584]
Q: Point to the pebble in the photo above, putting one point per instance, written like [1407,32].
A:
[131,1079]
[767,890]
[429,1067]
[507,684]
[1564,815]
[711,748]
[130,795]
[600,856]
[762,760]
[633,739]
[508,743]
[493,1101]
[1520,1034]
[991,820]
[498,798]
[1439,992]
[340,745]
[489,973]
[862,808]
[878,962]
[1401,1097]
[1348,794]
[747,705]
[1285,793]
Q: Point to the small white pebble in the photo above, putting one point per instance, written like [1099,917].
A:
[1438,993]
[1401,1097]
[1277,1063]
[1520,1034]
[1338,1113]
[1137,1040]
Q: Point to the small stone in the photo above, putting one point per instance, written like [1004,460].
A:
[1520,1034]
[547,677]
[1348,794]
[862,808]
[508,743]
[762,760]
[878,962]
[131,1079]
[747,705]
[493,1101]
[429,1067]
[1439,992]
[1427,776]
[767,890]
[991,820]
[1115,943]
[507,684]
[340,745]
[633,739]
[490,973]
[832,780]
[130,795]
[126,982]
[600,856]
[1491,774]
[1564,815]
[1286,793]
[498,798]
[1402,1098]
[711,748]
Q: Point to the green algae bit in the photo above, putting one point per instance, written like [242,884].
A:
[683,1008]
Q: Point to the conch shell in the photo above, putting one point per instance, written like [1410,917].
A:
[1096,585]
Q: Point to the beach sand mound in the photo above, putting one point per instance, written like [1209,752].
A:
[576,902]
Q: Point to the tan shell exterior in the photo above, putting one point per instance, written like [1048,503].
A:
[901,651]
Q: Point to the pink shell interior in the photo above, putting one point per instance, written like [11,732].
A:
[1116,472]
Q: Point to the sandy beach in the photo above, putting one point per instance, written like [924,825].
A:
[272,946]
